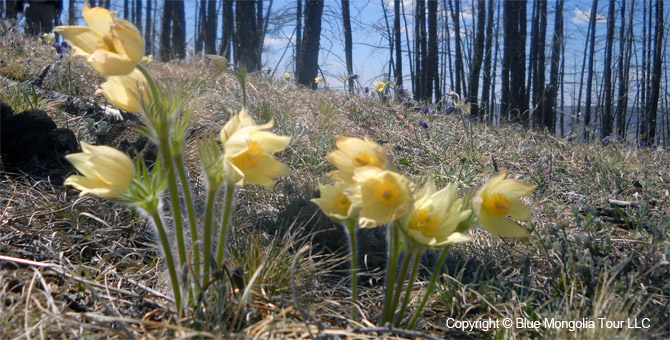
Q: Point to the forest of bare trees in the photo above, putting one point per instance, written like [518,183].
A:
[508,58]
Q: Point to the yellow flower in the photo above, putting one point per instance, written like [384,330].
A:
[318,80]
[383,196]
[112,46]
[217,62]
[287,76]
[498,199]
[124,91]
[354,153]
[379,85]
[435,216]
[237,122]
[334,202]
[460,104]
[248,157]
[107,171]
[148,59]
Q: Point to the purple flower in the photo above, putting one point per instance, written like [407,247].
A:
[353,76]
[366,89]
[606,140]
[423,124]
[58,47]
[642,144]
[653,147]
[425,109]
[326,87]
[618,137]
[569,138]
[402,91]
[64,45]
[450,110]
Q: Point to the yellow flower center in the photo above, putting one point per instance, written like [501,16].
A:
[250,158]
[342,203]
[365,159]
[496,204]
[425,222]
[387,193]
[107,44]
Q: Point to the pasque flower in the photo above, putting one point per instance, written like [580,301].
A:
[107,172]
[318,80]
[334,202]
[435,215]
[287,76]
[383,196]
[379,85]
[354,153]
[125,91]
[112,46]
[248,151]
[498,199]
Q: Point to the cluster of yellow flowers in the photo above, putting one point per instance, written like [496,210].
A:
[365,189]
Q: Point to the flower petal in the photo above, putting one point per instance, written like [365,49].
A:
[98,19]
[518,210]
[80,38]
[110,63]
[270,142]
[513,188]
[501,226]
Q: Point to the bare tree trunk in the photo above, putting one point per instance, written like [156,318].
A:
[201,26]
[348,44]
[409,46]
[625,52]
[549,104]
[432,71]
[178,30]
[488,45]
[589,72]
[607,120]
[455,14]
[228,24]
[477,58]
[166,32]
[308,65]
[419,50]
[246,52]
[126,9]
[71,18]
[148,31]
[538,65]
[514,104]
[210,29]
[298,34]
[398,44]
[648,126]
[138,14]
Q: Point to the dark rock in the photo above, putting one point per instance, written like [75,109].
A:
[124,136]
[31,143]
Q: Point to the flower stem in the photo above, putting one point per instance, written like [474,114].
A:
[351,227]
[391,265]
[207,234]
[186,190]
[431,285]
[174,198]
[155,215]
[398,286]
[153,87]
[410,285]
[223,231]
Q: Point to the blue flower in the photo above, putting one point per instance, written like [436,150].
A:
[353,76]
[642,144]
[58,47]
[618,137]
[569,138]
[366,89]
[425,109]
[423,124]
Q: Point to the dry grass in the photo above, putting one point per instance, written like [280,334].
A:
[96,273]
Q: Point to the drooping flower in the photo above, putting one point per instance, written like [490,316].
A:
[498,199]
[112,46]
[107,172]
[383,196]
[379,85]
[354,153]
[248,153]
[124,91]
[318,80]
[217,63]
[435,215]
[239,121]
[334,202]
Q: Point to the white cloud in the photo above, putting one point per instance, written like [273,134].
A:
[580,16]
